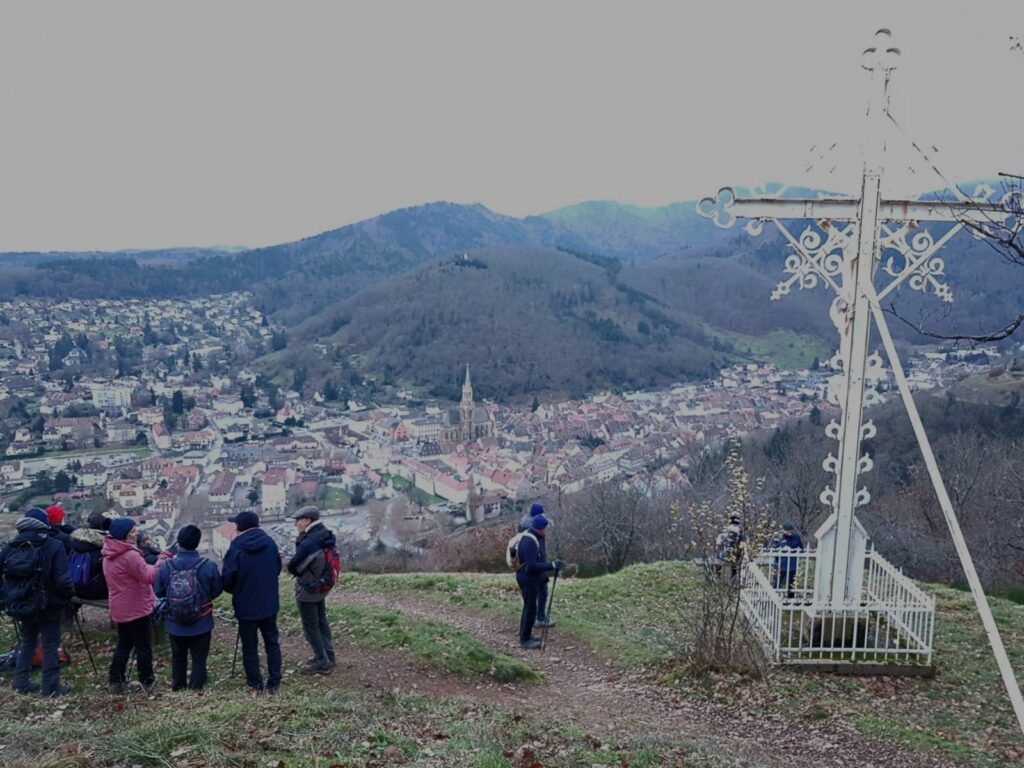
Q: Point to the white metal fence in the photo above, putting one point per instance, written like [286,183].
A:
[893,623]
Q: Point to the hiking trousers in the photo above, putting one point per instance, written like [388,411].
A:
[529,589]
[137,635]
[267,628]
[44,628]
[183,646]
[317,631]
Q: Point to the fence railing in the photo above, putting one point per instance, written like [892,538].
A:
[893,622]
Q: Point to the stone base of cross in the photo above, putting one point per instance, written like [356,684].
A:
[843,243]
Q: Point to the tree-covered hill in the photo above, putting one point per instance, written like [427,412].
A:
[526,319]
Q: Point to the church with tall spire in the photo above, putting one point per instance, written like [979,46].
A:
[473,423]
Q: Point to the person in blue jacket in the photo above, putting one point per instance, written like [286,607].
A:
[530,575]
[190,639]
[38,618]
[525,523]
[786,567]
[252,565]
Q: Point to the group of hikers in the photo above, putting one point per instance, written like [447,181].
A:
[49,569]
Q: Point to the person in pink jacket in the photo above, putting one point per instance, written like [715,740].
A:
[130,582]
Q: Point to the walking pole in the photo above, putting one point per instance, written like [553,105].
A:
[551,599]
[235,656]
[88,650]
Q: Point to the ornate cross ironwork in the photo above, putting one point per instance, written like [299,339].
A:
[842,246]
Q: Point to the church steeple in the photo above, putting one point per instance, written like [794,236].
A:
[466,409]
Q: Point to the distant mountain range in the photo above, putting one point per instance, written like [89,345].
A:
[617,295]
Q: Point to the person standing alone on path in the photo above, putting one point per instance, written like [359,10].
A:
[525,523]
[530,576]
[191,584]
[36,604]
[311,570]
[130,585]
[252,565]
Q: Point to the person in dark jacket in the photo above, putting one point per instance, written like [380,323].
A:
[54,530]
[786,567]
[525,523]
[88,543]
[33,548]
[532,571]
[308,566]
[190,639]
[150,553]
[252,565]
[58,529]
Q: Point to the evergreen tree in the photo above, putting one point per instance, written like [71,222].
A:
[177,402]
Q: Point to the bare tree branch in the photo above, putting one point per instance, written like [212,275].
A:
[997,335]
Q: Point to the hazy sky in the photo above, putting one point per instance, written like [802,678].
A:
[139,125]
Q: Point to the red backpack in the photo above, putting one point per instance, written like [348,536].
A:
[332,568]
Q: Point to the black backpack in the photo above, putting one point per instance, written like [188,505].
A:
[24,580]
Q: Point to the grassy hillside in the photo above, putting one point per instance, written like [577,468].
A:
[425,678]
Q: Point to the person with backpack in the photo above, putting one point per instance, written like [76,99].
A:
[315,566]
[36,589]
[190,584]
[86,559]
[525,523]
[131,600]
[531,570]
[252,565]
[59,531]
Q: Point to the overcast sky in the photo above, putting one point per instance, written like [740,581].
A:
[141,125]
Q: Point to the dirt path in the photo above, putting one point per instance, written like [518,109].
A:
[607,703]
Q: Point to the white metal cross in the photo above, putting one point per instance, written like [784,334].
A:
[843,249]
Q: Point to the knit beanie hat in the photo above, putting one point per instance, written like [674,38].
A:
[55,515]
[38,514]
[189,536]
[540,523]
[536,509]
[120,527]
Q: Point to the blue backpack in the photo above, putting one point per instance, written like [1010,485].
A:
[187,601]
[80,567]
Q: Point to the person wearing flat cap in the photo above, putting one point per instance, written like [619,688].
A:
[190,595]
[309,566]
[131,599]
[252,565]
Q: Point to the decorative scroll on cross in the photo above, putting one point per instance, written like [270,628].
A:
[841,247]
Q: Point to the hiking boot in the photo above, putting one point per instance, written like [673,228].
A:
[311,662]
[60,690]
[117,688]
[148,688]
[27,688]
[253,692]
[544,623]
[532,644]
[316,669]
[273,691]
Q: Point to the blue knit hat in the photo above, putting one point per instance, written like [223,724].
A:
[536,509]
[38,514]
[120,526]
[539,523]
